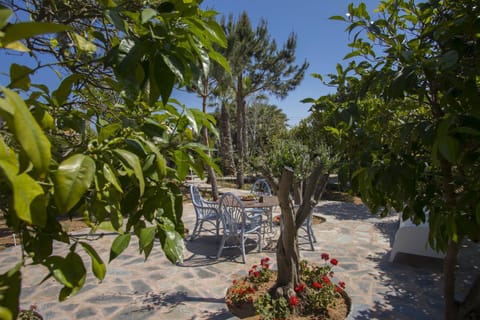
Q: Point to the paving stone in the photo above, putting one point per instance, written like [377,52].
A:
[156,289]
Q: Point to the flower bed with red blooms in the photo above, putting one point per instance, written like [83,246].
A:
[319,295]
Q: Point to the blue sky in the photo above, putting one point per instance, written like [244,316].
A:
[322,42]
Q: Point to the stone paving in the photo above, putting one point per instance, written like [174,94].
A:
[410,288]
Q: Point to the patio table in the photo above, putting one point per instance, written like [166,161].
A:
[264,203]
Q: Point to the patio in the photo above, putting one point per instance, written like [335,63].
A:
[133,289]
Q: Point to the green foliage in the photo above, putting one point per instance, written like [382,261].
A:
[101,144]
[418,140]
[271,309]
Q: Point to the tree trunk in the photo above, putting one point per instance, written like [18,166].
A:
[451,306]
[240,132]
[287,245]
[288,254]
[210,172]
[226,145]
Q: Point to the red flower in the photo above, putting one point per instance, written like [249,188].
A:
[300,287]
[325,256]
[317,285]
[294,301]
[334,261]
[251,290]
[330,274]
[254,266]
[326,280]
[338,289]
[235,281]
[342,284]
[256,274]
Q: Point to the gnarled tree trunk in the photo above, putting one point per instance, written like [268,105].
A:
[288,254]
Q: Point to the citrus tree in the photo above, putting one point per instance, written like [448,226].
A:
[408,118]
[112,147]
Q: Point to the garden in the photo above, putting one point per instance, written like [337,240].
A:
[109,144]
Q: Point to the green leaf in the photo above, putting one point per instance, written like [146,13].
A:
[25,191]
[449,59]
[63,91]
[23,30]
[182,160]
[148,14]
[111,177]
[10,284]
[131,160]
[108,131]
[165,79]
[74,177]
[98,266]
[83,44]
[146,238]
[26,130]
[5,14]
[19,77]
[69,271]
[339,18]
[449,148]
[172,242]
[44,119]
[120,243]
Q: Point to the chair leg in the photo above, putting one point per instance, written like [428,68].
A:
[222,244]
[196,229]
[311,236]
[242,248]
[260,243]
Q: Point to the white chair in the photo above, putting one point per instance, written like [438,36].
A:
[413,239]
[261,188]
[205,211]
[307,228]
[237,225]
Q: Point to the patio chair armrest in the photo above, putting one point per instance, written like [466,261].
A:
[255,218]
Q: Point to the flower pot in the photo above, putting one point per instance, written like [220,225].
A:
[317,296]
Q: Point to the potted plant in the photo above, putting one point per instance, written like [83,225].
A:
[30,314]
[319,293]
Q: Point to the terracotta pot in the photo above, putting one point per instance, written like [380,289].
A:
[247,310]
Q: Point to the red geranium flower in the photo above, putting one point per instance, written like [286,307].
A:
[317,285]
[334,261]
[300,287]
[294,301]
[338,289]
[326,280]
[342,284]
[325,256]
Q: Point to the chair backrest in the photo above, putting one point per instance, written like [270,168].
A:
[197,199]
[232,212]
[261,188]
